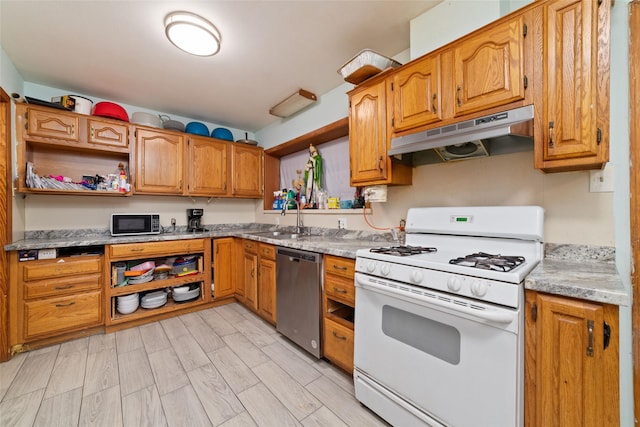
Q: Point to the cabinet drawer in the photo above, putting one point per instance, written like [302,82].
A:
[69,266]
[250,245]
[57,287]
[341,266]
[62,314]
[107,133]
[340,287]
[52,124]
[157,248]
[338,344]
[267,251]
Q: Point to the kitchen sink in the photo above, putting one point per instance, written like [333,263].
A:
[284,235]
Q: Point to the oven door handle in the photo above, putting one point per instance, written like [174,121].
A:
[492,315]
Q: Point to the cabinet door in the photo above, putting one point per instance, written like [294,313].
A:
[570,57]
[368,134]
[52,124]
[207,167]
[159,162]
[223,256]
[416,94]
[108,133]
[250,279]
[569,381]
[246,171]
[489,68]
[267,290]
[338,344]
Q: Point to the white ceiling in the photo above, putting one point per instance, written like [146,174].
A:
[117,50]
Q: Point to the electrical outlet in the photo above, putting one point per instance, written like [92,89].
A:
[342,223]
[173,222]
[601,181]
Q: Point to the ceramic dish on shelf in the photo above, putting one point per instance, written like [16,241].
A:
[189,295]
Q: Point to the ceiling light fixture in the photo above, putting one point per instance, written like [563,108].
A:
[192,33]
[293,104]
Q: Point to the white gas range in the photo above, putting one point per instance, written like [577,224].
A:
[438,321]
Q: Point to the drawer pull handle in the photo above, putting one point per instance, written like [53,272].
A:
[63,287]
[340,337]
[137,250]
[458,101]
[66,305]
[342,291]
[590,343]
[434,104]
[338,267]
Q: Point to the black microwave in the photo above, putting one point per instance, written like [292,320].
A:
[132,224]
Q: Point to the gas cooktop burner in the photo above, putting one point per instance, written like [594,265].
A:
[489,262]
[403,250]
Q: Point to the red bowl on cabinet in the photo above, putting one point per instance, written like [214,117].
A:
[111,110]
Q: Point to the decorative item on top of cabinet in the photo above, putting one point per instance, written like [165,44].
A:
[193,273]
[58,144]
[54,298]
[159,162]
[571,362]
[573,89]
[223,267]
[339,308]
[369,137]
[246,170]
[488,68]
[416,94]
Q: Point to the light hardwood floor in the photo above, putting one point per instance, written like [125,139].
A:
[218,367]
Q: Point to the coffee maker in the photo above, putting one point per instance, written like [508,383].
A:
[194,220]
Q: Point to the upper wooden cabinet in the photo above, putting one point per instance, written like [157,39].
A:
[159,162]
[246,171]
[416,94]
[108,133]
[207,166]
[488,68]
[60,143]
[369,138]
[54,124]
[573,132]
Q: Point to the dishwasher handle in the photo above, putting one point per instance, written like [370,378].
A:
[297,256]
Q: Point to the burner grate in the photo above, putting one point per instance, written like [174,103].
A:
[489,262]
[403,250]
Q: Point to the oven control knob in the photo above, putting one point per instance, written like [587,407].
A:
[371,266]
[385,269]
[479,288]
[416,276]
[454,284]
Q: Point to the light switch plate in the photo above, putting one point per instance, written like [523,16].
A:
[601,181]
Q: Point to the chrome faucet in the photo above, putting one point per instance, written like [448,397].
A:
[299,227]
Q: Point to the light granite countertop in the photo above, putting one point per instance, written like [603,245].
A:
[579,271]
[343,243]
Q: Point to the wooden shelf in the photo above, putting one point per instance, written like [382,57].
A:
[150,312]
[157,284]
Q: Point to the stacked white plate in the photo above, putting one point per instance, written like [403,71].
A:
[128,303]
[154,299]
[185,293]
[145,277]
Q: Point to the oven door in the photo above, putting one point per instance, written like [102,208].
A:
[445,360]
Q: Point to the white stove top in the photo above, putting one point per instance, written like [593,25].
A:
[458,232]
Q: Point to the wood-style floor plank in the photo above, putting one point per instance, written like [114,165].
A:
[61,410]
[218,400]
[265,408]
[21,410]
[68,373]
[167,371]
[143,408]
[102,370]
[235,372]
[154,338]
[102,408]
[135,372]
[246,350]
[183,408]
[34,373]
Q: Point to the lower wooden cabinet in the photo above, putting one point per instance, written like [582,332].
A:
[338,344]
[54,297]
[571,362]
[223,267]
[339,305]
[267,282]
[258,276]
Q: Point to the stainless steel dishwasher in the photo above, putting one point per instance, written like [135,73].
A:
[298,297]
